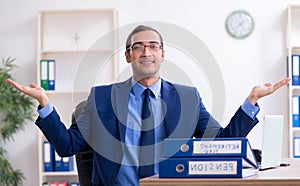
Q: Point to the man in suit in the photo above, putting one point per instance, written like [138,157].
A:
[112,120]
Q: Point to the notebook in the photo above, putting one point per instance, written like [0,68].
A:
[272,141]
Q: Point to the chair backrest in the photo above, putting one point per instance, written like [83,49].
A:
[84,162]
[84,159]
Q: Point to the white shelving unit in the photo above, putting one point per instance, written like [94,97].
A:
[293,47]
[83,47]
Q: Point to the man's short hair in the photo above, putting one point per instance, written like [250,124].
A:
[141,28]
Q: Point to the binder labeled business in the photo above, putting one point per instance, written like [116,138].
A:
[230,167]
[201,158]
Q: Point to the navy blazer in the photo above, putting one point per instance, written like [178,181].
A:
[102,125]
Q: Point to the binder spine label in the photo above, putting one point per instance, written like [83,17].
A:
[47,151]
[212,167]
[217,147]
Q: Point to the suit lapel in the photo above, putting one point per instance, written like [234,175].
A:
[169,95]
[120,97]
[182,110]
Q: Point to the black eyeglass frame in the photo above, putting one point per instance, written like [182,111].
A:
[129,47]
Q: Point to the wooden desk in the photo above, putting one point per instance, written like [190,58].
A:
[281,176]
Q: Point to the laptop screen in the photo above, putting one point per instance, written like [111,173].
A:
[272,141]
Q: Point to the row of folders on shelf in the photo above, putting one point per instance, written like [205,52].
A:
[53,162]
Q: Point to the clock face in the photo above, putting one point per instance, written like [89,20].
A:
[239,24]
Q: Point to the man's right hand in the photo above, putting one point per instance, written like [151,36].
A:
[33,91]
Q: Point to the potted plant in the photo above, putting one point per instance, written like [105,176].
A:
[15,109]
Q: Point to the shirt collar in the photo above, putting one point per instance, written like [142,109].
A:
[138,88]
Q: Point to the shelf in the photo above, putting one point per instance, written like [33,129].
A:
[294,89]
[83,58]
[80,71]
[80,11]
[70,173]
[295,129]
[80,34]
[293,47]
[75,51]
[49,92]
[293,28]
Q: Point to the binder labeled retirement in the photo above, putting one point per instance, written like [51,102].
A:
[208,158]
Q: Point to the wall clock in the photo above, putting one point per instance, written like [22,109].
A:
[239,24]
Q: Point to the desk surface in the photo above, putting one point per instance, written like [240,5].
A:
[281,176]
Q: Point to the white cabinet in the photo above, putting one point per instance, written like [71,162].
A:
[293,47]
[83,45]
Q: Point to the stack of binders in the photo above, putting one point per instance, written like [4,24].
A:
[207,158]
[53,162]
[47,74]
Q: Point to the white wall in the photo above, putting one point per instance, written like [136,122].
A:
[243,63]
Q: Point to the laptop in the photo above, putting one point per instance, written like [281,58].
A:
[272,142]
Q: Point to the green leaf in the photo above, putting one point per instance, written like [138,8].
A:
[15,109]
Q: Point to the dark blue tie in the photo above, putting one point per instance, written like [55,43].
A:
[146,160]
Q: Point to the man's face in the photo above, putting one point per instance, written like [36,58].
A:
[145,54]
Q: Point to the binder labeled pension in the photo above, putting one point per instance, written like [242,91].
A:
[230,167]
[202,158]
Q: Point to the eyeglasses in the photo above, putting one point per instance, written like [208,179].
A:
[140,47]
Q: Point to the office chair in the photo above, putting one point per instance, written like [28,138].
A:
[84,159]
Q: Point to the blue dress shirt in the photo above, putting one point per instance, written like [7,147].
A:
[128,174]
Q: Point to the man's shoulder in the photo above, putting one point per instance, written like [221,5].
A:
[177,86]
[110,86]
